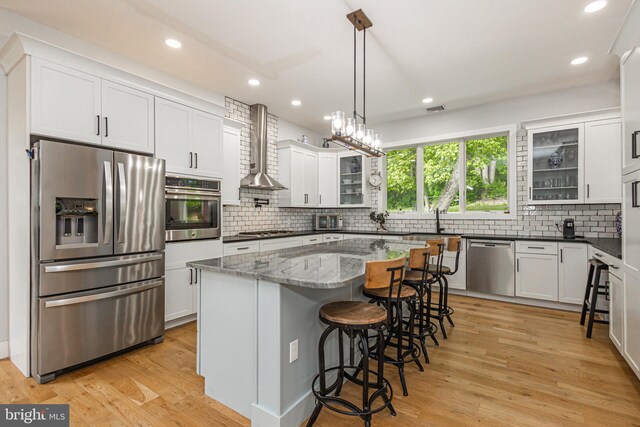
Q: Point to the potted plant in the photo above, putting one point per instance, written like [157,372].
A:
[380,219]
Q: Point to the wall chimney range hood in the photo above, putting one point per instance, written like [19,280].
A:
[258,177]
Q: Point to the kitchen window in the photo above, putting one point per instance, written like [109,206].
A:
[467,177]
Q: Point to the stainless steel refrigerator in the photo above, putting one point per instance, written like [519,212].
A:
[97,280]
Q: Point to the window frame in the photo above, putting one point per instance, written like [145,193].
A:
[510,131]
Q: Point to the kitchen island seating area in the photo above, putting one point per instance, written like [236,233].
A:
[393,286]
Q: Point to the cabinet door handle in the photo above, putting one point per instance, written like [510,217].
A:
[634,144]
[517,265]
[320,201]
[529,192]
[106,127]
[196,282]
[191,276]
[561,256]
[606,288]
[190,159]
[244,248]
[634,194]
[588,191]
[98,131]
[196,156]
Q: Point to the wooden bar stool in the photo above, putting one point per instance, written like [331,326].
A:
[596,267]
[393,299]
[454,244]
[419,278]
[436,269]
[356,319]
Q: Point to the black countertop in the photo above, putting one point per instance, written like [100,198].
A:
[611,246]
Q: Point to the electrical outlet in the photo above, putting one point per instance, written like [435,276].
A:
[293,351]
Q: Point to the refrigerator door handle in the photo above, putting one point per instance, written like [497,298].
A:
[104,295]
[101,264]
[122,194]
[107,226]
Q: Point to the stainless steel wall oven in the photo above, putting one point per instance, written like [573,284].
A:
[192,209]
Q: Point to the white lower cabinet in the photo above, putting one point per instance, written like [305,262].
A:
[631,321]
[238,248]
[616,311]
[182,282]
[537,276]
[312,240]
[332,237]
[179,293]
[273,244]
[631,222]
[572,272]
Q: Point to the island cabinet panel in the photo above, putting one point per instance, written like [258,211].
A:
[65,103]
[572,272]
[537,276]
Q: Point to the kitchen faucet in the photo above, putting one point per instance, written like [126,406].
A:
[438,228]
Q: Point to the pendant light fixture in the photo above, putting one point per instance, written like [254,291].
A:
[352,132]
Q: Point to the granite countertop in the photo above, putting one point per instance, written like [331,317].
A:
[611,246]
[321,266]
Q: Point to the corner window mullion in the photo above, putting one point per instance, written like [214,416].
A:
[419,179]
[462,181]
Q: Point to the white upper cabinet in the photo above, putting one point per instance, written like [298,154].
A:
[555,165]
[327,180]
[77,106]
[572,272]
[631,223]
[602,161]
[353,170]
[298,171]
[206,144]
[172,136]
[189,140]
[231,166]
[630,90]
[127,118]
[65,103]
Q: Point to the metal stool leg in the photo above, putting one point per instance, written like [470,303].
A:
[586,294]
[594,301]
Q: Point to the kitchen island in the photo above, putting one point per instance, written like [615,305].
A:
[258,325]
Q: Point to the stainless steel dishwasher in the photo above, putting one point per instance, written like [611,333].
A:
[490,267]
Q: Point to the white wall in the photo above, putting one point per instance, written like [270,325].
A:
[289,130]
[568,101]
[4,311]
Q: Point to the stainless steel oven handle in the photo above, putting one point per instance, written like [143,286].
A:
[123,202]
[107,217]
[188,196]
[173,190]
[105,295]
[101,264]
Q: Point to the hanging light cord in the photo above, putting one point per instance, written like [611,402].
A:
[355,99]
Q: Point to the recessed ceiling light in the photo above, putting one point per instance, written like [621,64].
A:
[580,60]
[595,6]
[427,100]
[173,43]
[296,102]
[327,117]
[254,82]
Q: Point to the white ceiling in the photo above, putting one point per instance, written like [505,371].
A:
[460,52]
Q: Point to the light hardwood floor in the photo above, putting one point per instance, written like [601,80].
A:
[503,364]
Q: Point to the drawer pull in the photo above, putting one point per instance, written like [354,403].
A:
[242,248]
[536,247]
[598,254]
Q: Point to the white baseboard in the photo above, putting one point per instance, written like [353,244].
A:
[292,417]
[4,349]
[181,321]
[518,300]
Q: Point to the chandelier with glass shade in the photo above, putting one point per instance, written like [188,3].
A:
[352,132]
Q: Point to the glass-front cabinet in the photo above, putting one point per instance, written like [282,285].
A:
[352,180]
[555,167]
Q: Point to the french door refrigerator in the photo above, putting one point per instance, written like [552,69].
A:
[98,254]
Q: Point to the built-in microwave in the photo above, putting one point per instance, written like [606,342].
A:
[193,209]
[327,222]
